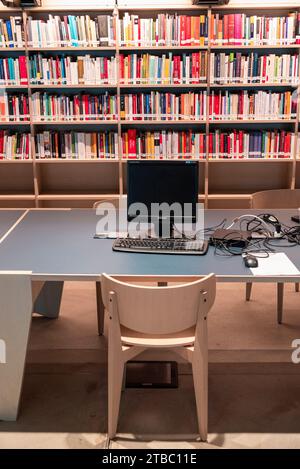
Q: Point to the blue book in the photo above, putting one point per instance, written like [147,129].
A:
[9,33]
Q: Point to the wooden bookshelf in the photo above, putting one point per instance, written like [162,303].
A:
[79,183]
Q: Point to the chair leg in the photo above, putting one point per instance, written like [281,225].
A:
[297,287]
[115,382]
[248,290]
[100,309]
[280,291]
[200,377]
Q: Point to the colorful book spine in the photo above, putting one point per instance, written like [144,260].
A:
[13,71]
[244,105]
[15,146]
[237,67]
[72,31]
[163,145]
[79,107]
[14,108]
[167,69]
[70,70]
[11,32]
[76,145]
[164,106]
[239,144]
[242,29]
[164,30]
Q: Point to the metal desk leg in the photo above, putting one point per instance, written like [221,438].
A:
[48,301]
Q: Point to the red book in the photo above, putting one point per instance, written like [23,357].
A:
[188,30]
[121,65]
[1,144]
[216,105]
[225,30]
[105,68]
[197,75]
[238,29]
[86,106]
[23,70]
[211,145]
[27,147]
[131,143]
[182,30]
[194,67]
[231,37]
[264,70]
[241,144]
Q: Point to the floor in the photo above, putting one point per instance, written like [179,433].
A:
[254,389]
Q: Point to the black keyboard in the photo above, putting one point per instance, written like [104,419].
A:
[161,246]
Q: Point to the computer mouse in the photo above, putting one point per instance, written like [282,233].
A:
[251,262]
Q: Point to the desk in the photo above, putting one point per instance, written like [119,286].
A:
[58,245]
[7,220]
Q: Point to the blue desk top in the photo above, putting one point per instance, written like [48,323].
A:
[60,243]
[7,219]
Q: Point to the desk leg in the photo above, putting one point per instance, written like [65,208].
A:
[15,320]
[48,301]
[100,309]
[280,290]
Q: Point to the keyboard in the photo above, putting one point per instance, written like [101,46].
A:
[161,246]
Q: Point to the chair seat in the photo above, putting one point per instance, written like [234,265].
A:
[180,339]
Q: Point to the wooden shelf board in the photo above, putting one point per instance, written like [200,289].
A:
[12,49]
[254,121]
[69,48]
[124,160]
[233,47]
[164,122]
[14,196]
[72,161]
[181,85]
[76,196]
[72,86]
[95,122]
[250,160]
[15,123]
[254,85]
[13,87]
[20,161]
[158,48]
[228,196]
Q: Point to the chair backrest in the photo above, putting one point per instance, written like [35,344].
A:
[160,310]
[278,198]
[113,201]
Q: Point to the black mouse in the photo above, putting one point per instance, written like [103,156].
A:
[250,261]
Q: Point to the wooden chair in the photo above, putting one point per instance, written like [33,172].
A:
[100,306]
[275,199]
[168,317]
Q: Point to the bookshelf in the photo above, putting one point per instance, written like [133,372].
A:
[223,183]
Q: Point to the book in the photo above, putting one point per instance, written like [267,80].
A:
[164,106]
[13,71]
[164,30]
[165,144]
[11,32]
[71,31]
[14,108]
[70,70]
[185,68]
[244,105]
[242,29]
[76,145]
[82,107]
[250,68]
[240,144]
[14,146]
